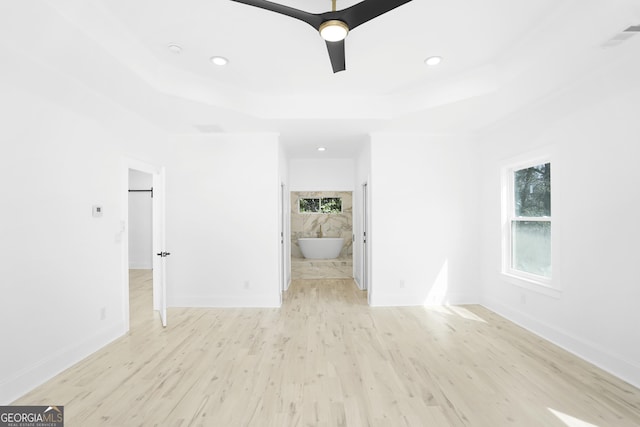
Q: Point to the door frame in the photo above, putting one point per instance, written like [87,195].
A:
[158,236]
[366,241]
[284,240]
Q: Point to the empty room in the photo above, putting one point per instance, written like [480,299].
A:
[320,213]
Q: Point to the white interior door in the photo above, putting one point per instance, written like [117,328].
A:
[159,246]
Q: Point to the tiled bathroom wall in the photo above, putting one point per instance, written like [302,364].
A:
[333,225]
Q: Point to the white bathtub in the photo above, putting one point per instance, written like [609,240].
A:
[321,248]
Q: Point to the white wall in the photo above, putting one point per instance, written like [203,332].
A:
[424,232]
[593,131]
[321,174]
[140,221]
[61,268]
[222,221]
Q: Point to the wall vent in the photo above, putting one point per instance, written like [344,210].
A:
[209,128]
[622,36]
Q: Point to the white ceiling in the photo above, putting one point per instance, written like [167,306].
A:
[499,55]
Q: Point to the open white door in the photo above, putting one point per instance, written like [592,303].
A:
[159,245]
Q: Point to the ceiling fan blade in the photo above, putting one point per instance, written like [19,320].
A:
[336,55]
[310,18]
[367,10]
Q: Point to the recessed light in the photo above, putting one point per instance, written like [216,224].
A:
[433,61]
[174,48]
[322,149]
[219,60]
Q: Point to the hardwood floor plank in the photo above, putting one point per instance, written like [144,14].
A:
[328,359]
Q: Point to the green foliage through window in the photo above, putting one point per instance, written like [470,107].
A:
[320,205]
[533,191]
[331,205]
[309,205]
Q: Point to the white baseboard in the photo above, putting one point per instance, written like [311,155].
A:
[226,301]
[589,351]
[31,377]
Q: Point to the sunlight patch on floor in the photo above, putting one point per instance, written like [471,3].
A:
[453,310]
[466,314]
[569,420]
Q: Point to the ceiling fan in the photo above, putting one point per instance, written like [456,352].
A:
[335,25]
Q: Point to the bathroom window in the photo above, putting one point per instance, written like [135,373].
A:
[327,205]
[331,205]
[309,205]
[527,229]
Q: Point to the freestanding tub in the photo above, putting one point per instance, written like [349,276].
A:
[321,248]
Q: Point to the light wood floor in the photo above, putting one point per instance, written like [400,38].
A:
[327,359]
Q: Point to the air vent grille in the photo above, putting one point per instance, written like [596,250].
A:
[622,36]
[209,128]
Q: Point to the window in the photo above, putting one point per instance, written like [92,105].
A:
[309,205]
[331,205]
[326,205]
[528,226]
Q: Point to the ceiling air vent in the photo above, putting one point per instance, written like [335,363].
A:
[209,128]
[622,36]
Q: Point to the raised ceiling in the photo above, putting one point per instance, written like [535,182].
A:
[498,56]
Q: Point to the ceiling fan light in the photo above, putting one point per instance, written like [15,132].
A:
[334,30]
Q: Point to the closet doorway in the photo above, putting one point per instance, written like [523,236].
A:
[144,261]
[140,231]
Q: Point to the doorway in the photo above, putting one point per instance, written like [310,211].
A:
[143,227]
[321,235]
[140,233]
[365,242]
[284,266]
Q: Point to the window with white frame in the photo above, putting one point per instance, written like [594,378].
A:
[528,222]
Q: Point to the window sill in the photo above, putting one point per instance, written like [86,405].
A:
[532,285]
